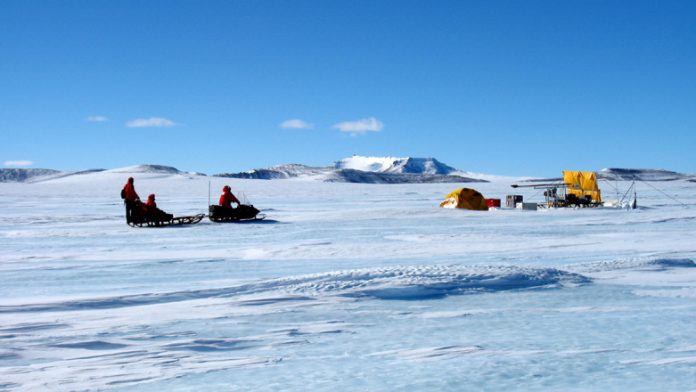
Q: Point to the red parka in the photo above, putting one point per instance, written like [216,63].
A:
[129,191]
[227,198]
[151,204]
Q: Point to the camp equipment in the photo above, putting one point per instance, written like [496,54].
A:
[578,189]
[493,203]
[465,198]
[582,185]
[527,206]
[512,200]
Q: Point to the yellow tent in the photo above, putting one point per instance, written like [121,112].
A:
[582,184]
[465,198]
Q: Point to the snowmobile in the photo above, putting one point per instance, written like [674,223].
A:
[244,212]
[137,217]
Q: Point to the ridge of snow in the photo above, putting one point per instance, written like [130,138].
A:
[23,174]
[39,175]
[146,168]
[394,282]
[292,170]
[47,175]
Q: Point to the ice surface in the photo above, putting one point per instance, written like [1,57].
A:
[344,287]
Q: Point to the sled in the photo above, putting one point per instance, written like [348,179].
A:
[135,218]
[243,213]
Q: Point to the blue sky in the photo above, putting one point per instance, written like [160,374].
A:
[503,87]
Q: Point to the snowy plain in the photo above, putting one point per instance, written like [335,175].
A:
[343,287]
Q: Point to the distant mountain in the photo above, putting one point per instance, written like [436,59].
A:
[359,176]
[355,169]
[40,175]
[280,172]
[147,168]
[359,169]
[22,175]
[395,165]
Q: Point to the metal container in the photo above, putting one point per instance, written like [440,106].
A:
[529,206]
[512,201]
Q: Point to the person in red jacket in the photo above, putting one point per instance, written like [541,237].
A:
[154,213]
[227,198]
[132,201]
[151,204]
[129,193]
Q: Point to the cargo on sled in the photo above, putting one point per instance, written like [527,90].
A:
[138,215]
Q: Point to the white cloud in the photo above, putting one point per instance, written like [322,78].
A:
[18,163]
[152,122]
[296,124]
[97,119]
[361,126]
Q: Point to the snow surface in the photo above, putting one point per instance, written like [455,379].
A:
[343,287]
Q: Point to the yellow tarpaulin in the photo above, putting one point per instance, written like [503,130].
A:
[582,184]
[465,198]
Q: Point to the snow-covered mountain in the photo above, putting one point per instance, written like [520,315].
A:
[41,175]
[355,169]
[22,175]
[38,175]
[395,165]
[279,172]
[359,176]
[149,168]
[360,169]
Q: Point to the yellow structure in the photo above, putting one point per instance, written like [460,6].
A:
[582,184]
[465,198]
